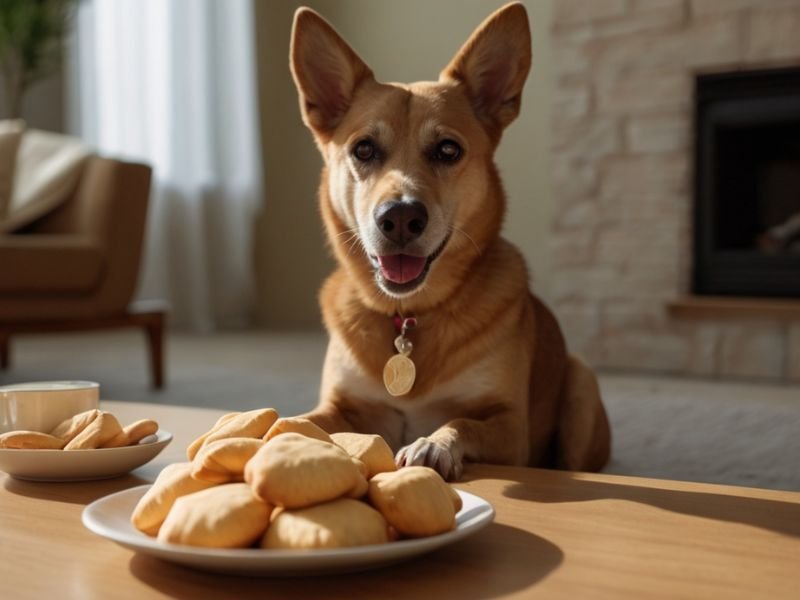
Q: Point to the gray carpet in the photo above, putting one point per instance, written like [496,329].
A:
[735,433]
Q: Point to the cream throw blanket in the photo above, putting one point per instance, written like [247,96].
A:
[48,168]
[10,137]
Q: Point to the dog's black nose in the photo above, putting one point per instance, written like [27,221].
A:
[401,222]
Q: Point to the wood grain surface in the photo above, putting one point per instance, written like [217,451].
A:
[556,535]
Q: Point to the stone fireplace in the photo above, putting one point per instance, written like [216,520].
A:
[623,249]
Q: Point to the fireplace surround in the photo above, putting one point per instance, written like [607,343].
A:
[623,252]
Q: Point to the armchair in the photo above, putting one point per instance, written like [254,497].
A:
[76,268]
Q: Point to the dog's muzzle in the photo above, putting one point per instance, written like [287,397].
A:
[401,274]
[400,267]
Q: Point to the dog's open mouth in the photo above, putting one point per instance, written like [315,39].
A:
[402,268]
[402,273]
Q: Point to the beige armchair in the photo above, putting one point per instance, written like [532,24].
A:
[76,268]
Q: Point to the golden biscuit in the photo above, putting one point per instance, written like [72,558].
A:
[174,481]
[253,424]
[337,524]
[224,460]
[98,432]
[416,501]
[69,428]
[30,440]
[362,487]
[295,471]
[133,433]
[226,516]
[299,425]
[192,449]
[370,449]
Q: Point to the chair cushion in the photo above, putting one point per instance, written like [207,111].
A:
[10,136]
[47,172]
[39,264]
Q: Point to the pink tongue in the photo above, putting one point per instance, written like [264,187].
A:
[401,268]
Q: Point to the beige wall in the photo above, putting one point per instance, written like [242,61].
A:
[401,41]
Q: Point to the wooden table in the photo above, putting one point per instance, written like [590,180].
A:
[556,535]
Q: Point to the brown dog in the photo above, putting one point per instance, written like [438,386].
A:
[413,205]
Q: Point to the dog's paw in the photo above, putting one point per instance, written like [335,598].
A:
[427,453]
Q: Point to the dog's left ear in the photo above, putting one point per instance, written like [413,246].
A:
[493,65]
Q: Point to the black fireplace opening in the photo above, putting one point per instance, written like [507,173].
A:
[747,184]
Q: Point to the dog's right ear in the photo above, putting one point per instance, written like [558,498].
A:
[326,70]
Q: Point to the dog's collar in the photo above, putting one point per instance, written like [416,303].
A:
[400,372]
[403,325]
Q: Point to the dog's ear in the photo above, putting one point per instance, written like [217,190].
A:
[493,65]
[326,70]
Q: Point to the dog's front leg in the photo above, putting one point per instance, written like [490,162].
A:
[338,413]
[328,417]
[500,439]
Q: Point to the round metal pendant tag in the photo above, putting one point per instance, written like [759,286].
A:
[399,375]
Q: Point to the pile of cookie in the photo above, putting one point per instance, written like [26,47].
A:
[259,480]
[88,430]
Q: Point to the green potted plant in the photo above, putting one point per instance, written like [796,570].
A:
[31,40]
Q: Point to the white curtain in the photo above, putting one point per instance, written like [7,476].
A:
[173,83]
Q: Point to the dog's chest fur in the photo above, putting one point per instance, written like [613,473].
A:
[417,413]
[467,361]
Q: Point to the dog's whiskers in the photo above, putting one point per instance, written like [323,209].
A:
[455,229]
[352,241]
[346,231]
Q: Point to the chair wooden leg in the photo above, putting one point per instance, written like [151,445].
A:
[154,328]
[5,351]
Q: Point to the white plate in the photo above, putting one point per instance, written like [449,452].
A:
[110,517]
[80,465]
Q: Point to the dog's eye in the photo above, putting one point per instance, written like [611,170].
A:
[365,151]
[447,151]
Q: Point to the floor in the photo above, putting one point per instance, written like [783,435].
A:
[741,433]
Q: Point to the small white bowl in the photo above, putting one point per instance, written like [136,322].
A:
[41,405]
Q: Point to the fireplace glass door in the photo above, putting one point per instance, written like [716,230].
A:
[747,184]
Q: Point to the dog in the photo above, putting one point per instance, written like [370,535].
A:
[435,341]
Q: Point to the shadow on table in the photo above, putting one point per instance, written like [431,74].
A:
[560,486]
[74,492]
[496,561]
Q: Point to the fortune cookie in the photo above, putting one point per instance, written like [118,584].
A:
[294,471]
[337,524]
[223,460]
[133,433]
[226,516]
[299,425]
[416,501]
[30,440]
[174,481]
[192,449]
[370,449]
[99,432]
[71,427]
[253,424]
